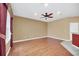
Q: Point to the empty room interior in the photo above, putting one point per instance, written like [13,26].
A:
[39,29]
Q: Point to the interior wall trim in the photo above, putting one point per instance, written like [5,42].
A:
[8,51]
[59,38]
[39,38]
[29,39]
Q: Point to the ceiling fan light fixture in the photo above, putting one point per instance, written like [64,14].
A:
[35,14]
[58,12]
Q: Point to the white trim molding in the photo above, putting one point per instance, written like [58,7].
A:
[58,38]
[8,51]
[29,39]
[39,38]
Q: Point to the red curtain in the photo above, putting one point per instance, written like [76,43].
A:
[3,15]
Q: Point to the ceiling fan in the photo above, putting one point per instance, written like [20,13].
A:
[46,15]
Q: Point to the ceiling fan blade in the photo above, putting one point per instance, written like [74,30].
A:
[42,14]
[51,17]
[50,14]
[42,17]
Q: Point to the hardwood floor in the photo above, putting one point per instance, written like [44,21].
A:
[39,47]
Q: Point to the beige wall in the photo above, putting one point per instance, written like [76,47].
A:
[24,28]
[60,28]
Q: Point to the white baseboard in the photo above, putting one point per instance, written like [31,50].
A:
[8,51]
[29,39]
[40,37]
[58,38]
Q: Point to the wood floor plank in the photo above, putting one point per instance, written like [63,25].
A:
[39,47]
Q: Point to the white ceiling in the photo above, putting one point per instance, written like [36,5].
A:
[59,10]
